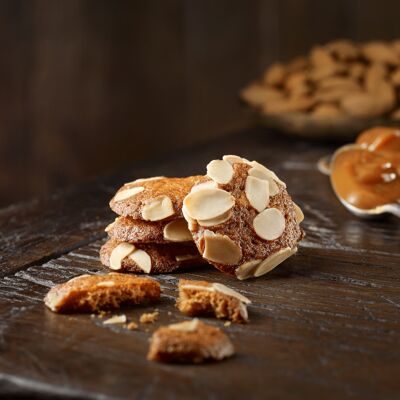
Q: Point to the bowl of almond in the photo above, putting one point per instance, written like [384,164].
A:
[334,92]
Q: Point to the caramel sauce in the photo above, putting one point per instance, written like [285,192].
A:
[367,174]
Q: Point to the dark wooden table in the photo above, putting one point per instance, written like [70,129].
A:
[324,325]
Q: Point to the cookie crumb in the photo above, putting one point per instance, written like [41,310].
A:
[131,326]
[227,323]
[102,314]
[116,319]
[149,318]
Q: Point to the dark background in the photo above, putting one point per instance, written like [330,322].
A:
[87,86]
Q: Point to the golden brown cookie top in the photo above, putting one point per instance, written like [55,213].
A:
[127,229]
[243,220]
[153,199]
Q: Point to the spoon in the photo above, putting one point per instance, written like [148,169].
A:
[324,166]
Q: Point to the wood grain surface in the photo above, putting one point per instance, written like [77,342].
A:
[324,325]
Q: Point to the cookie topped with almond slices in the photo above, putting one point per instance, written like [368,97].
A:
[153,199]
[242,219]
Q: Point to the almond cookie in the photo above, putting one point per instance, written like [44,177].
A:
[153,199]
[149,258]
[88,293]
[189,342]
[243,220]
[205,298]
[127,229]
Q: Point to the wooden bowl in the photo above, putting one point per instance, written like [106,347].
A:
[311,127]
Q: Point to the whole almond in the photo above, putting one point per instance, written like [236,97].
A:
[395,115]
[356,70]
[296,84]
[297,64]
[336,93]
[380,52]
[288,105]
[320,56]
[369,105]
[395,77]
[256,94]
[374,76]
[326,110]
[275,75]
[339,81]
[344,50]
[326,70]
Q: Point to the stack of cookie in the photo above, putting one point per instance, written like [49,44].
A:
[150,234]
[239,218]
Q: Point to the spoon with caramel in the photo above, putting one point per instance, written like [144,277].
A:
[365,176]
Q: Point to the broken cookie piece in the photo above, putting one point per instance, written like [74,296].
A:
[88,293]
[205,298]
[189,342]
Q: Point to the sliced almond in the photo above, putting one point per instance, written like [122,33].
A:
[221,249]
[232,159]
[260,174]
[187,257]
[177,231]
[186,326]
[126,193]
[119,253]
[275,259]
[153,178]
[220,171]
[198,287]
[269,224]
[77,278]
[299,213]
[219,287]
[257,192]
[106,284]
[243,311]
[109,227]
[267,172]
[246,270]
[204,185]
[216,221]
[191,222]
[208,203]
[157,208]
[142,259]
[116,319]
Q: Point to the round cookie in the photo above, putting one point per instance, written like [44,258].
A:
[149,258]
[153,199]
[127,229]
[243,220]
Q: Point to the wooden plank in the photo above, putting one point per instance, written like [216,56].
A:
[308,336]
[325,324]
